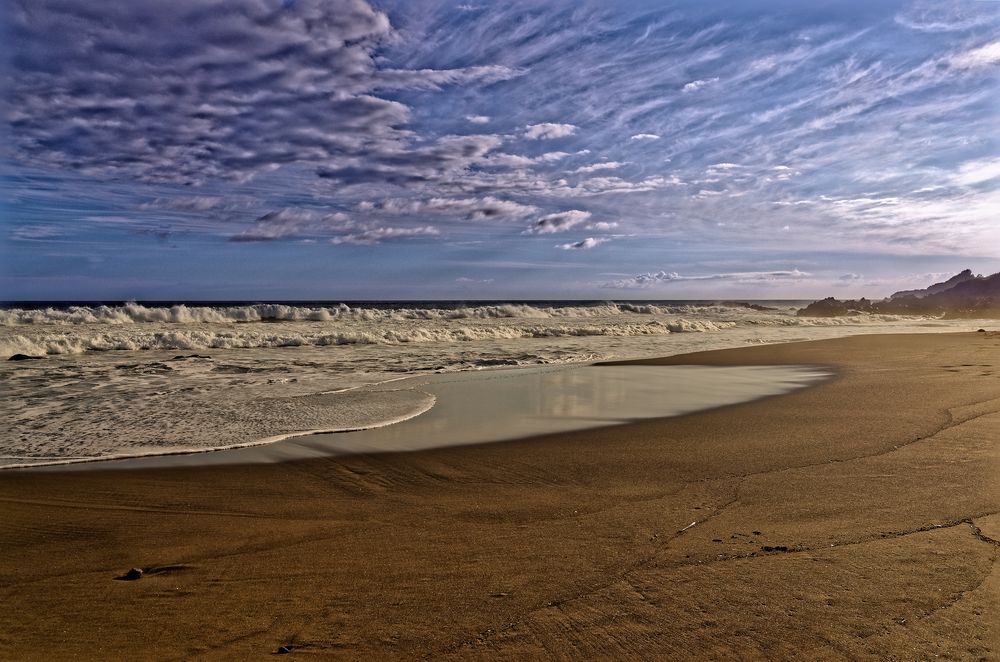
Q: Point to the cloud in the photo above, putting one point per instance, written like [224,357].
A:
[504,160]
[426,163]
[606,165]
[983,56]
[35,232]
[434,79]
[602,225]
[548,131]
[606,185]
[934,16]
[378,235]
[696,85]
[190,91]
[585,244]
[663,278]
[293,222]
[197,203]
[326,107]
[558,222]
[487,207]
[975,172]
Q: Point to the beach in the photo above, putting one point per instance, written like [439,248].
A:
[134,380]
[857,518]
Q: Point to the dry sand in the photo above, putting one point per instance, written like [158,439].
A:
[856,519]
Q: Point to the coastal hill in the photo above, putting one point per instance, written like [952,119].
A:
[960,277]
[962,295]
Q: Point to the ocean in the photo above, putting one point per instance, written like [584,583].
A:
[123,379]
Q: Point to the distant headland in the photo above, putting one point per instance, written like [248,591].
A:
[963,295]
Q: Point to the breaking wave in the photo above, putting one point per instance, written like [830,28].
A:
[132,326]
[134,313]
[190,339]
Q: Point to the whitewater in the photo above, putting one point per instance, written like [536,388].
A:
[130,379]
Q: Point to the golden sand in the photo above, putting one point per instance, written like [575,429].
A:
[855,519]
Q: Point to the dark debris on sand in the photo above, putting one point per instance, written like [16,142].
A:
[130,576]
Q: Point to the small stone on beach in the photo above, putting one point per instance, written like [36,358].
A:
[131,575]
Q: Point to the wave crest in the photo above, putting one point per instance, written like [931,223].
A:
[77,342]
[135,313]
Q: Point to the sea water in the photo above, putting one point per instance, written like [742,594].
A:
[139,379]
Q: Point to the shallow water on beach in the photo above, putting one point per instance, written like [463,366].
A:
[135,380]
[474,408]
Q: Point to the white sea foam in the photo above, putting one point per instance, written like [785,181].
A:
[133,327]
[111,381]
[134,313]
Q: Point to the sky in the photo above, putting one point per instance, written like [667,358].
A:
[417,149]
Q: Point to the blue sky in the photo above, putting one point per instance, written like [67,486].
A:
[419,149]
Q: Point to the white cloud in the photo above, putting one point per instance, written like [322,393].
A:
[606,165]
[937,16]
[558,222]
[962,222]
[696,85]
[294,222]
[983,56]
[549,130]
[433,79]
[602,185]
[974,172]
[504,160]
[645,136]
[664,277]
[33,232]
[582,245]
[602,225]
[378,235]
[189,203]
[473,208]
[185,93]
[477,119]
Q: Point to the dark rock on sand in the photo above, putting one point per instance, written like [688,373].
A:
[830,307]
[747,305]
[24,357]
[131,575]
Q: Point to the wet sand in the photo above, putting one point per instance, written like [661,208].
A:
[858,518]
